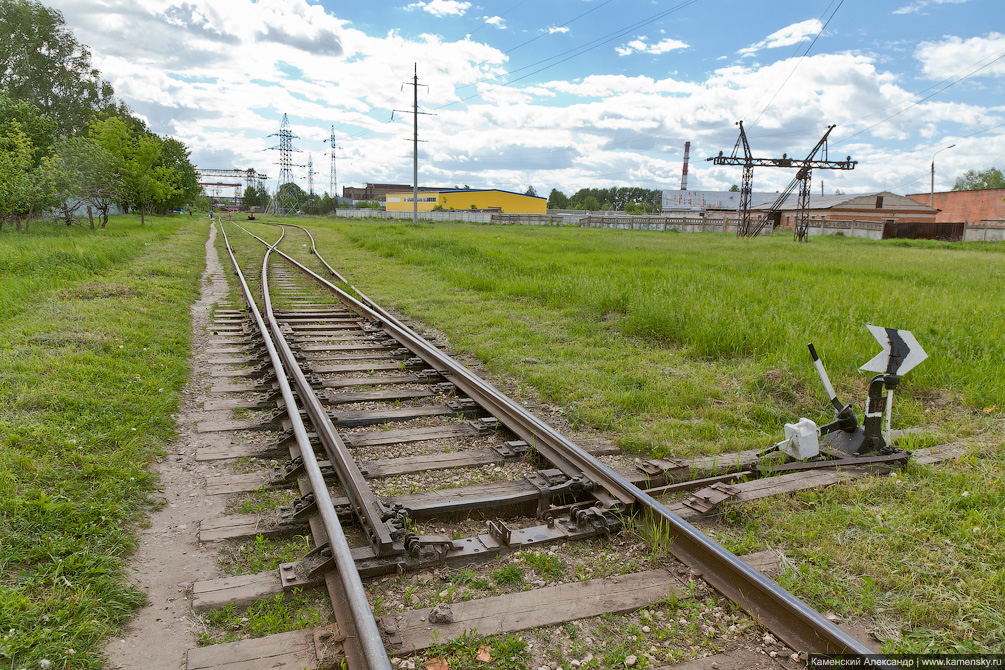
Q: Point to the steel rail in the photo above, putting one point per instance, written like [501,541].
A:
[368,509]
[366,643]
[315,251]
[797,624]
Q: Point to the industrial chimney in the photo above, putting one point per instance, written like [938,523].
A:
[683,177]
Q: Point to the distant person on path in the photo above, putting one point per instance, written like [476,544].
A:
[210,214]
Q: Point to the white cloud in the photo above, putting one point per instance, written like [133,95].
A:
[640,45]
[954,55]
[441,7]
[557,29]
[787,36]
[497,21]
[212,79]
[916,7]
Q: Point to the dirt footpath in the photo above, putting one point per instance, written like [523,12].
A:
[169,558]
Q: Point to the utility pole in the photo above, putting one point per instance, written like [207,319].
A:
[931,197]
[415,138]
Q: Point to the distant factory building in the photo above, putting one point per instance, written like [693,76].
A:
[880,207]
[986,205]
[703,201]
[378,192]
[494,200]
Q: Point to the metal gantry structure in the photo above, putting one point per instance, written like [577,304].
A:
[251,178]
[804,168]
[285,201]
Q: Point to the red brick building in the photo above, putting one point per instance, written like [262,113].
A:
[968,207]
[883,207]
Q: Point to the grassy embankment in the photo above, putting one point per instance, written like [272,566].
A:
[693,344]
[94,342]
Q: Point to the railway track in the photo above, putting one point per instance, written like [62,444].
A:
[403,461]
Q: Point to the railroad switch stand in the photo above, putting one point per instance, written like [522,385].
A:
[844,438]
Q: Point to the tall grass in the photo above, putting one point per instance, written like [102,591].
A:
[719,297]
[94,339]
[693,342]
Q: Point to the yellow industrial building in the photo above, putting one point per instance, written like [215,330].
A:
[506,202]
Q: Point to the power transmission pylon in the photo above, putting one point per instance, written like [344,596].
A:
[285,201]
[804,167]
[311,198]
[415,138]
[333,181]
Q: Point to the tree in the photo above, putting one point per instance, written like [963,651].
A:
[734,189]
[255,196]
[530,191]
[90,177]
[41,62]
[292,190]
[557,200]
[39,128]
[25,187]
[979,181]
[145,180]
[184,180]
[591,203]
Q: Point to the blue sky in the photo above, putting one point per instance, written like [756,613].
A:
[565,93]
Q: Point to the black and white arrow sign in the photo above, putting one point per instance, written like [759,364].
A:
[901,351]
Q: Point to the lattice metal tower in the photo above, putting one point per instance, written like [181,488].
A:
[312,199]
[286,201]
[333,182]
[310,175]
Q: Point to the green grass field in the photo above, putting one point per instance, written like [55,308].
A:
[94,346]
[672,344]
[688,344]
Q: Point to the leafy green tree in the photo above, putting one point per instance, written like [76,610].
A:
[557,200]
[531,191]
[91,176]
[26,188]
[42,63]
[39,127]
[979,181]
[184,180]
[292,190]
[146,182]
[255,196]
[734,189]
[591,203]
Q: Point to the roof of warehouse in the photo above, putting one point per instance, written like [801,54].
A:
[486,190]
[831,201]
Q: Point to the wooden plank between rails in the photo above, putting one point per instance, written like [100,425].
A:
[285,651]
[412,630]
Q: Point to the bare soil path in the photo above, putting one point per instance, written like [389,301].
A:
[170,557]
